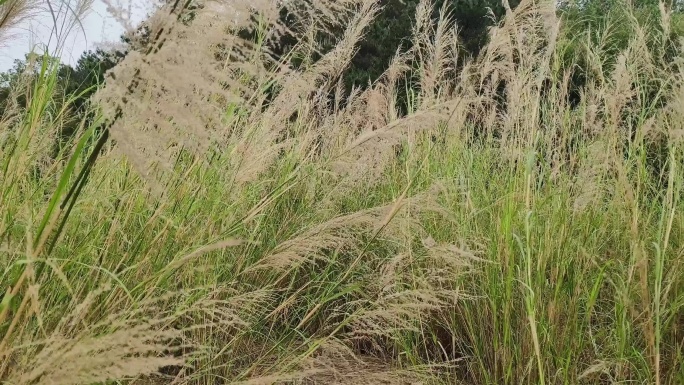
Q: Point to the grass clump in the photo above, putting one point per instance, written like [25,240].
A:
[252,222]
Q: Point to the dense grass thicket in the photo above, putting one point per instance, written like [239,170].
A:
[229,218]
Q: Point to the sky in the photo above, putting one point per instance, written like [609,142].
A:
[98,27]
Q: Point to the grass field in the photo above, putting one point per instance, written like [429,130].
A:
[295,239]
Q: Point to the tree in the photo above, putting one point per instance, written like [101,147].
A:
[392,29]
[80,82]
[73,85]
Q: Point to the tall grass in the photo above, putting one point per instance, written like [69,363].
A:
[252,222]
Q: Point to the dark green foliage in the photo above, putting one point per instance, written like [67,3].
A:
[74,87]
[81,81]
[77,83]
[392,29]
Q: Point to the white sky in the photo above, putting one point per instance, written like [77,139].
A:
[98,27]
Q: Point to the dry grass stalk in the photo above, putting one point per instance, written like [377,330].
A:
[12,14]
[129,343]
[211,66]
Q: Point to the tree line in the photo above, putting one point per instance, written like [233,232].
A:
[390,30]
